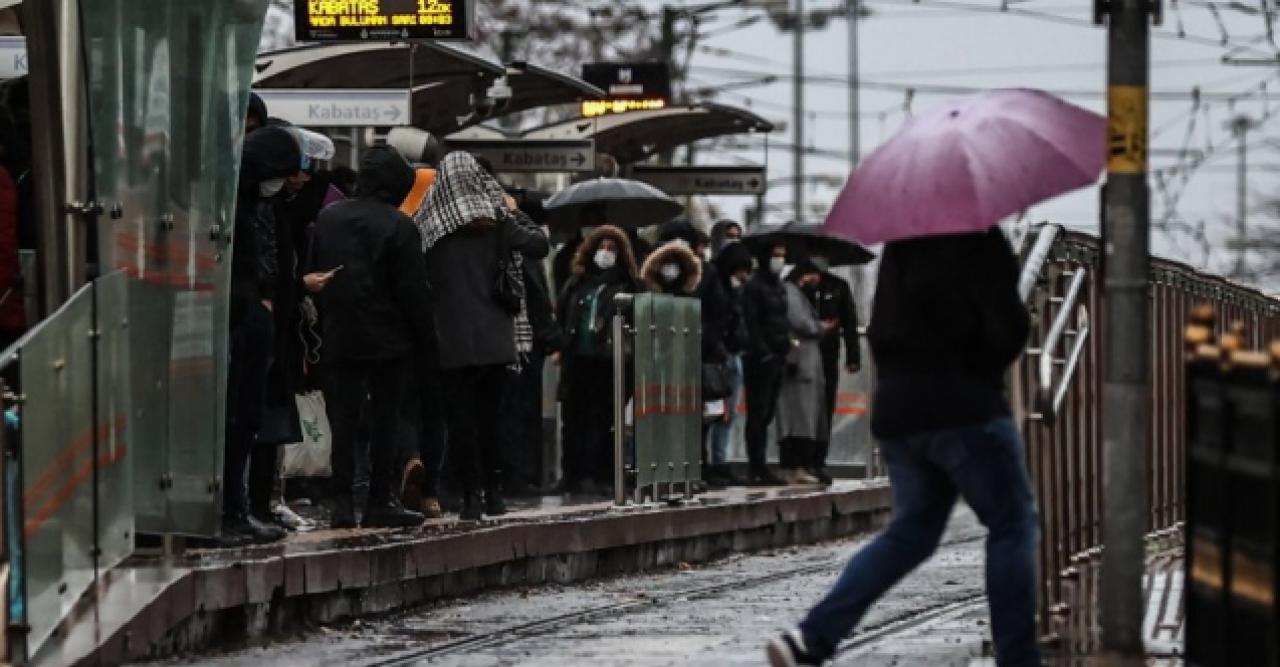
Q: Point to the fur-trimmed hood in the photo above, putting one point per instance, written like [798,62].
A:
[675,251]
[582,259]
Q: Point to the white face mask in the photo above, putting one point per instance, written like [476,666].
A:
[706,254]
[735,281]
[670,272]
[270,188]
[821,262]
[605,259]
[777,264]
[730,240]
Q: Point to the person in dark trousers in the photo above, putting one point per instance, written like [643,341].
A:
[270,154]
[603,267]
[833,299]
[734,263]
[946,325]
[472,231]
[764,307]
[376,310]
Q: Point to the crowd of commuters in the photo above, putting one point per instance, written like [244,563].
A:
[417,300]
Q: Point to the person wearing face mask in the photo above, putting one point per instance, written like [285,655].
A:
[734,264]
[724,233]
[833,298]
[672,269]
[802,417]
[764,306]
[270,154]
[603,267]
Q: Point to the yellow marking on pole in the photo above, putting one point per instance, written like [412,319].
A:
[1126,129]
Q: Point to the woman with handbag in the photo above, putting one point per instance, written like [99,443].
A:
[476,242]
[602,267]
[802,417]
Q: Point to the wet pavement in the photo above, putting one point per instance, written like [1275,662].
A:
[719,613]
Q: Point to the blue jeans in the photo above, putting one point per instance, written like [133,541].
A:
[720,432]
[984,464]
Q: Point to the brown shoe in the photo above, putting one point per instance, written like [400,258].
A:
[430,508]
[411,483]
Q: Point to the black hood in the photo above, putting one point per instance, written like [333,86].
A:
[258,108]
[269,152]
[680,229]
[385,175]
[733,258]
[718,233]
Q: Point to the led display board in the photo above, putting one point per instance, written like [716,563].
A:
[630,87]
[382,20]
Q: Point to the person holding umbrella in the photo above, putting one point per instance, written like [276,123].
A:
[603,267]
[947,323]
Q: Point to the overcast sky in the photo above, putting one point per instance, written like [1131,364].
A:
[1052,46]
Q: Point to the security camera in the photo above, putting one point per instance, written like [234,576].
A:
[500,91]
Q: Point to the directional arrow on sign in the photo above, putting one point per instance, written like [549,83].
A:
[394,112]
[578,160]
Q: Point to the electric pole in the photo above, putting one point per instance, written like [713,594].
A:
[798,112]
[1126,390]
[1240,126]
[855,144]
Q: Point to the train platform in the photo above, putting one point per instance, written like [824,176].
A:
[181,604]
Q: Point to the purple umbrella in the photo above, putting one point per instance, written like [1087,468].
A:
[969,164]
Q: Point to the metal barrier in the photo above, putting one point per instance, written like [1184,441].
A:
[76,501]
[1057,393]
[657,344]
[1233,504]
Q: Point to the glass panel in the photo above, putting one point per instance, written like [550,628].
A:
[169,87]
[851,432]
[692,384]
[646,393]
[58,464]
[663,350]
[675,364]
[115,474]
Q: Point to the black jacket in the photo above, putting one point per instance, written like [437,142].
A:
[471,327]
[946,325]
[268,153]
[833,299]
[764,307]
[546,330]
[378,306]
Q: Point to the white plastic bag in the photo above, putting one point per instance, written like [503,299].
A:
[311,457]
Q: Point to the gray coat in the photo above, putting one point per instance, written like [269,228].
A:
[801,405]
[471,328]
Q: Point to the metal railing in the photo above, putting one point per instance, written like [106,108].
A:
[1058,398]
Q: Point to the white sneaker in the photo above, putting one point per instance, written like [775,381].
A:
[789,650]
[290,519]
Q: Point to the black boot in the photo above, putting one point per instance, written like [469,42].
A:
[494,505]
[389,513]
[257,531]
[471,510]
[730,479]
[344,513]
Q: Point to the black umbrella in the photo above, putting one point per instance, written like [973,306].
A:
[810,238]
[616,201]
[803,240]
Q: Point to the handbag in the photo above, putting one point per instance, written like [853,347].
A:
[508,288]
[717,381]
[312,456]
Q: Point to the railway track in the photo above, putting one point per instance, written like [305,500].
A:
[545,626]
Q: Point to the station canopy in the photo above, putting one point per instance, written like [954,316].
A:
[638,135]
[450,84]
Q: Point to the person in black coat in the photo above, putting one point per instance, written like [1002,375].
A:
[470,228]
[603,267]
[270,154]
[947,324]
[764,307]
[376,311]
[833,298]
